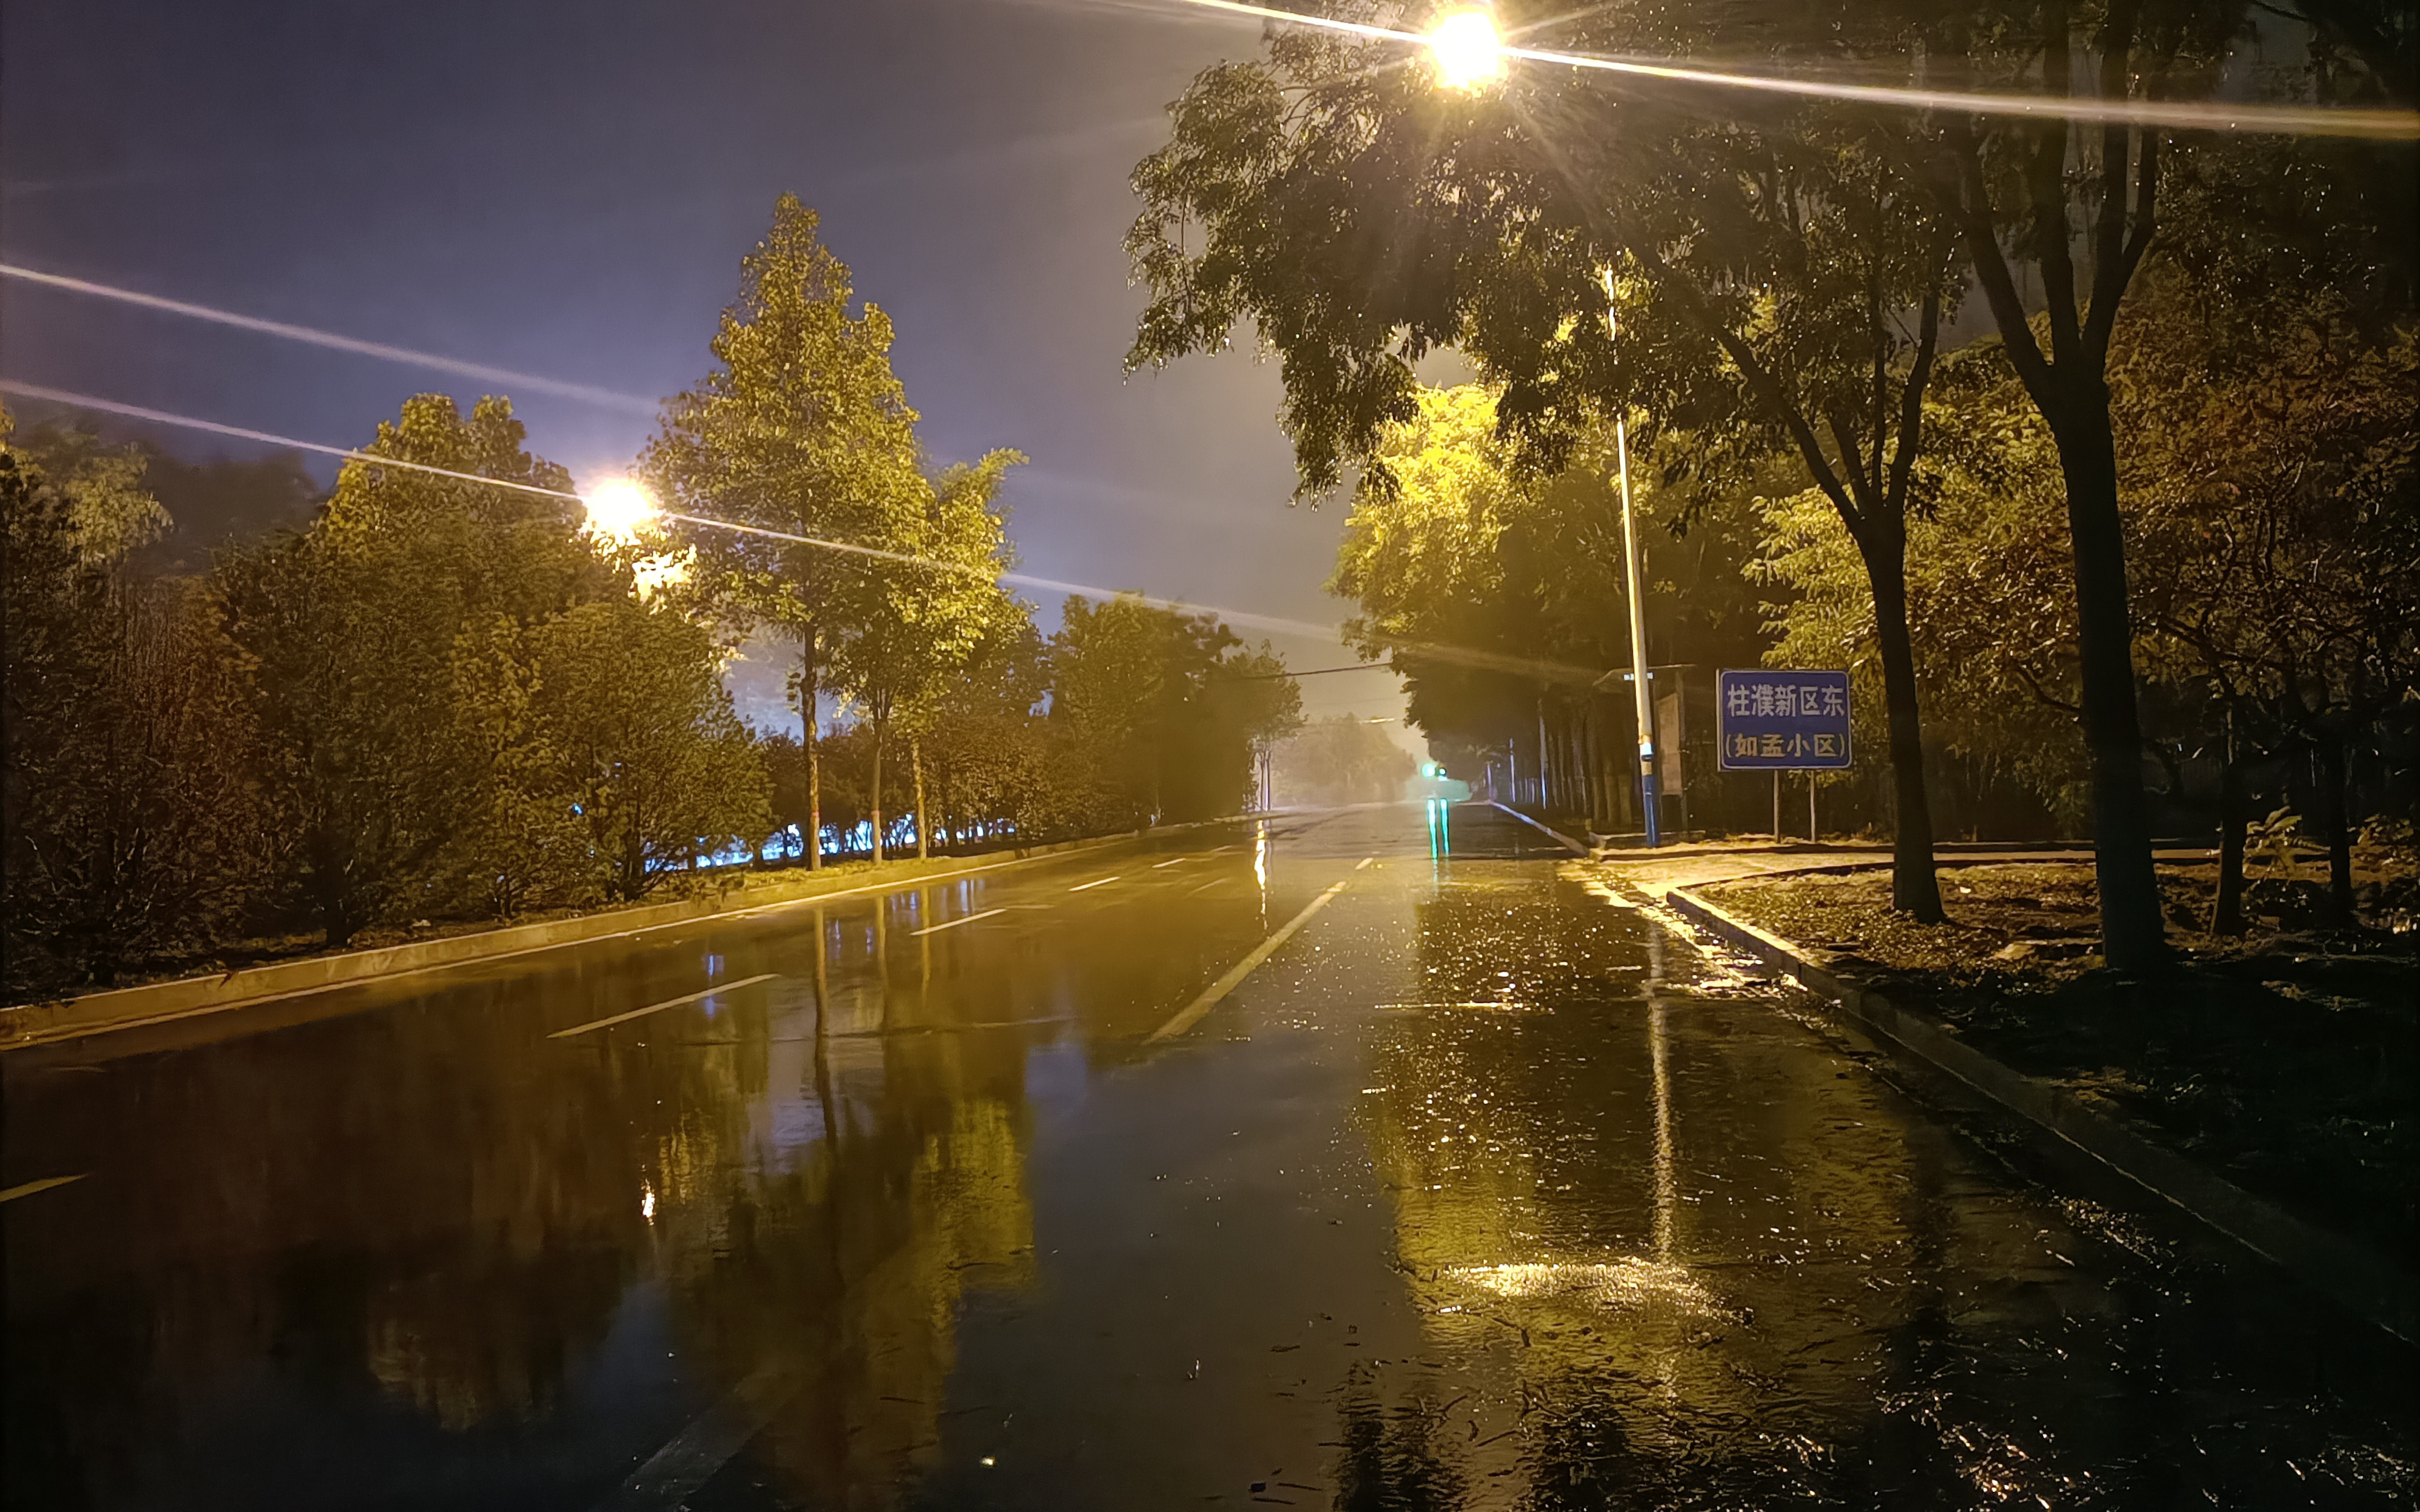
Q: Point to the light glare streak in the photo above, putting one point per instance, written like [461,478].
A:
[162,417]
[329,339]
[1486,661]
[2283,120]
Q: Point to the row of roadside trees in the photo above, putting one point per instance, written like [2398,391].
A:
[1864,308]
[444,696]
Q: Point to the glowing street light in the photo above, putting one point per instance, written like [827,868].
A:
[1469,56]
[1468,52]
[620,509]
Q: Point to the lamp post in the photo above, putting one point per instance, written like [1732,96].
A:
[1470,55]
[1635,586]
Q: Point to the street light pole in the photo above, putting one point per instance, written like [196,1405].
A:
[1639,673]
[1470,55]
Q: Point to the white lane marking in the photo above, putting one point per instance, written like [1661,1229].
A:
[935,929]
[1364,861]
[1089,885]
[1162,866]
[1213,882]
[27,1189]
[1191,1013]
[675,1471]
[658,1008]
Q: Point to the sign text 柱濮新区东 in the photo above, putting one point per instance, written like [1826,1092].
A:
[1774,720]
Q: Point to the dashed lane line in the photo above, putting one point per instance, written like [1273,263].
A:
[1191,1013]
[1089,885]
[658,1008]
[935,929]
[26,1189]
[674,1471]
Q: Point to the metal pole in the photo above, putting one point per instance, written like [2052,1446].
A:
[1638,673]
[1812,833]
[1777,803]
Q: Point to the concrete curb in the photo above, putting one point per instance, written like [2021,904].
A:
[128,1008]
[2351,1274]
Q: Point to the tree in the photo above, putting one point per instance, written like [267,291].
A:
[1342,759]
[1141,738]
[2266,482]
[658,766]
[2079,208]
[786,769]
[517,834]
[1990,602]
[986,747]
[355,629]
[1780,279]
[2278,514]
[801,430]
[1469,549]
[1255,695]
[135,828]
[933,611]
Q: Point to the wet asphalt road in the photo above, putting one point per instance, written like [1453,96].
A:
[1486,1190]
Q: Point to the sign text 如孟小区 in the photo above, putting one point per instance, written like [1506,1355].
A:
[1782,721]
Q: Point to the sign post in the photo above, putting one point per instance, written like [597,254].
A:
[1772,720]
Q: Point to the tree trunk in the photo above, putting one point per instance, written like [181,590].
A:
[2133,936]
[815,760]
[876,794]
[916,759]
[2233,814]
[2332,814]
[1915,887]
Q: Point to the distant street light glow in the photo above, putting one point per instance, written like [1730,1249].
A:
[1468,52]
[620,509]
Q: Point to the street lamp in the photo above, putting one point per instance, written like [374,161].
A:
[1468,54]
[618,509]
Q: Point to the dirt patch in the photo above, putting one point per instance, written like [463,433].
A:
[2286,1058]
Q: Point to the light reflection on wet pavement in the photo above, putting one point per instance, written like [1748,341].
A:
[1487,1190]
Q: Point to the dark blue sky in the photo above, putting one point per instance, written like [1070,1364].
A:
[567,189]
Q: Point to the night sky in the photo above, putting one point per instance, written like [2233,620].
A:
[566,189]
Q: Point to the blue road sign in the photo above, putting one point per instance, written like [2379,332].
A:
[1782,721]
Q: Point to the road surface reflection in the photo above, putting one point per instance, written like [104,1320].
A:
[1485,1190]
